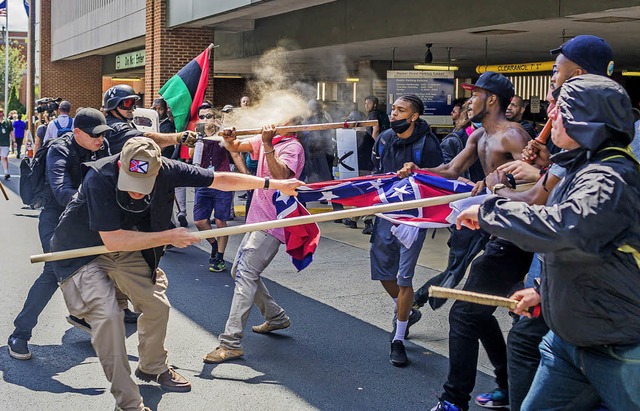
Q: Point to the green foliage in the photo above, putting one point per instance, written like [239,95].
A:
[17,65]
[14,103]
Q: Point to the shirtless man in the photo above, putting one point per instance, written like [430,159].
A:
[502,265]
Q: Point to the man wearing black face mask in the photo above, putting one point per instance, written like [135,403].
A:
[125,202]
[409,140]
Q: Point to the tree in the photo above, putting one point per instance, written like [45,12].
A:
[14,103]
[17,64]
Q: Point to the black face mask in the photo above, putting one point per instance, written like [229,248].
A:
[400,126]
[129,204]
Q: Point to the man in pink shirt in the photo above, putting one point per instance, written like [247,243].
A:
[278,157]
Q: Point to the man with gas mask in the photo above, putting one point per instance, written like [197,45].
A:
[408,140]
[125,203]
[118,103]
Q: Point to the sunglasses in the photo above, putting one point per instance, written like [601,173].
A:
[207,116]
[127,104]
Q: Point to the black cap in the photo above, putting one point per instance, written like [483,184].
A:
[589,52]
[595,109]
[64,106]
[91,121]
[494,83]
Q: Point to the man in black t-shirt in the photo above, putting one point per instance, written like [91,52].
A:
[371,105]
[125,202]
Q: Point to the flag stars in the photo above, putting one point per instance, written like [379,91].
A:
[283,197]
[376,184]
[328,195]
[399,192]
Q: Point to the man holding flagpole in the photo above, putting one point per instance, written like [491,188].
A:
[125,203]
[278,157]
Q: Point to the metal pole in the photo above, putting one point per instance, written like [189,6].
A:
[6,61]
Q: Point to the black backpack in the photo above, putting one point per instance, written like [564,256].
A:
[64,130]
[33,174]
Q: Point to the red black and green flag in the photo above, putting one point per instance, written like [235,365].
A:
[184,91]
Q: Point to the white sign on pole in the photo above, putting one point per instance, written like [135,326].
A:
[534,104]
[347,147]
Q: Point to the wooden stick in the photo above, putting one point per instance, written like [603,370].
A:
[545,133]
[478,298]
[287,222]
[4,193]
[307,127]
[267,225]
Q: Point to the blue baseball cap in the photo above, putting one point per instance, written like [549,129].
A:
[589,52]
[494,83]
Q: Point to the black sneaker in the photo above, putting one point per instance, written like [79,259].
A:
[18,348]
[216,265]
[368,228]
[414,317]
[79,323]
[398,355]
[349,223]
[183,221]
[130,317]
[7,176]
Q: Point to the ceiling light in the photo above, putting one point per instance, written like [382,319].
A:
[631,73]
[125,79]
[353,79]
[435,67]
[227,76]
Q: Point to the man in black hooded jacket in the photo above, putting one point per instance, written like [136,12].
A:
[589,236]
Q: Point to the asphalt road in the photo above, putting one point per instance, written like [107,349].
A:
[333,357]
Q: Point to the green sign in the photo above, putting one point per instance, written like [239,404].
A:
[130,60]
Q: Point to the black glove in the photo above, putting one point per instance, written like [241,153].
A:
[188,138]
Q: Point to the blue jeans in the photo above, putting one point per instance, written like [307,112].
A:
[567,371]
[45,286]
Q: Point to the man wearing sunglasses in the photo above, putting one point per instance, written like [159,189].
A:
[118,103]
[63,175]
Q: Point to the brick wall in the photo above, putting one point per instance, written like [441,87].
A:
[168,50]
[79,81]
[228,91]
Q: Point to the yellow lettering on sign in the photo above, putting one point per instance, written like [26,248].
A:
[517,68]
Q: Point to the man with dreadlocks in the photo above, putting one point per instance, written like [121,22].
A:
[408,140]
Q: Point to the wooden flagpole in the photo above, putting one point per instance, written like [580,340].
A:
[304,127]
[4,193]
[469,296]
[267,225]
[287,222]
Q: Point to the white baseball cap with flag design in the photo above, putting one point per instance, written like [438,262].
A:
[140,162]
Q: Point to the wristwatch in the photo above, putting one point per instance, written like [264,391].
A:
[497,187]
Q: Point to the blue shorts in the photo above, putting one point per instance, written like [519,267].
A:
[390,260]
[209,199]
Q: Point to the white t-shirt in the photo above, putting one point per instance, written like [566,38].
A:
[52,129]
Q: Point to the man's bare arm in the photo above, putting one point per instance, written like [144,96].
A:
[458,165]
